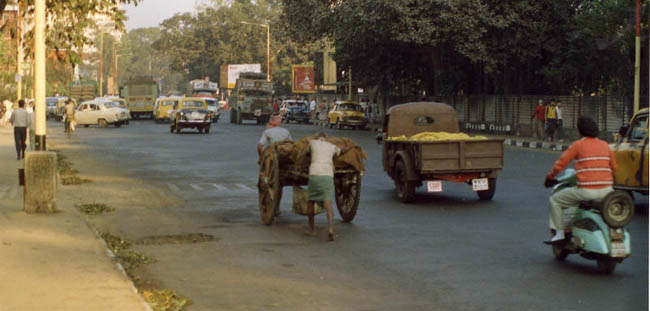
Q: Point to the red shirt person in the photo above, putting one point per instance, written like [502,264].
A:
[539,115]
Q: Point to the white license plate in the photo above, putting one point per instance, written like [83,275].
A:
[196,121]
[618,249]
[434,186]
[258,112]
[480,184]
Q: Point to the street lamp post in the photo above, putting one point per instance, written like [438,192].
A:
[268,47]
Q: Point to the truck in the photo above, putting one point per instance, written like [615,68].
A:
[208,91]
[140,94]
[251,99]
[413,163]
[81,91]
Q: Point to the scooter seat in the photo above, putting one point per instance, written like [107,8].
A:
[591,204]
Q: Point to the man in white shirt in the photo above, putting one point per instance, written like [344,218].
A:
[273,133]
[20,119]
[321,179]
[312,107]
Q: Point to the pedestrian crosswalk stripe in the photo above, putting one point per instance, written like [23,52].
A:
[219,187]
[196,187]
[173,187]
[244,187]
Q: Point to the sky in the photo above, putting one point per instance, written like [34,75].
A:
[150,13]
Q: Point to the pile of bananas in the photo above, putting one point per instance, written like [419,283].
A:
[438,136]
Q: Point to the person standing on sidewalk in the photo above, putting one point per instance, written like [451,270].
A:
[32,125]
[20,119]
[558,112]
[551,120]
[539,117]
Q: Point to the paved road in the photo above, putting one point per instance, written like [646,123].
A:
[445,251]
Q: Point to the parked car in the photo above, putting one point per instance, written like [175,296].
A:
[631,153]
[50,110]
[213,107]
[162,106]
[190,112]
[347,113]
[298,114]
[101,111]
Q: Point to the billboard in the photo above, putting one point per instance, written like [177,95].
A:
[234,70]
[302,79]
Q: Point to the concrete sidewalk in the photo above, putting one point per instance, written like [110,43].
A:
[508,140]
[53,261]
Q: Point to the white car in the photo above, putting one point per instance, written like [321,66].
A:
[101,112]
[213,107]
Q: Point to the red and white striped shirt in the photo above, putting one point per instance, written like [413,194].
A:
[594,163]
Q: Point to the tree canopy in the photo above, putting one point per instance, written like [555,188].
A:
[477,46]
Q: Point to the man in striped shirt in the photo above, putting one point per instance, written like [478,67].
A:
[595,166]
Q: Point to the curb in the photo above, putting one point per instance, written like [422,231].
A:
[535,144]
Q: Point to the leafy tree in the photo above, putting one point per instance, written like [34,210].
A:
[479,46]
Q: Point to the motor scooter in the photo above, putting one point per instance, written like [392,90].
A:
[595,229]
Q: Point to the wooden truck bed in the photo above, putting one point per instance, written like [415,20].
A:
[456,156]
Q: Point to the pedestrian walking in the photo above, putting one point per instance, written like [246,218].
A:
[273,133]
[32,140]
[276,106]
[558,111]
[20,119]
[539,117]
[70,120]
[312,108]
[551,120]
[321,179]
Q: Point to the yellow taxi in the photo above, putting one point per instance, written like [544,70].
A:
[190,112]
[631,152]
[347,113]
[162,107]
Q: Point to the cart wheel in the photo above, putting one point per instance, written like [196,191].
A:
[268,186]
[347,190]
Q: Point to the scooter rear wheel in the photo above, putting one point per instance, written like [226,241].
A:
[617,209]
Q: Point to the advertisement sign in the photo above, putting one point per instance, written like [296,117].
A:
[234,70]
[302,79]
[329,70]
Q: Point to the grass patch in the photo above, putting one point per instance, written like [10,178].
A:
[73,180]
[63,165]
[165,299]
[95,208]
[158,299]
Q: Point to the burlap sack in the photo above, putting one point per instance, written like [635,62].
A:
[300,198]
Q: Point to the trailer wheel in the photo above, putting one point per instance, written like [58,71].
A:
[487,195]
[268,186]
[405,188]
[347,189]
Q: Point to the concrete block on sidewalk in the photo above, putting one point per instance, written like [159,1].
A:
[40,182]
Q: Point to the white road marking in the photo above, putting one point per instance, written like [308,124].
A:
[173,187]
[246,188]
[196,187]
[219,187]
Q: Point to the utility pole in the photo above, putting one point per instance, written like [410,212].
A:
[268,52]
[101,64]
[19,51]
[39,74]
[637,54]
[114,70]
[349,83]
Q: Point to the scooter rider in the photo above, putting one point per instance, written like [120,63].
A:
[595,166]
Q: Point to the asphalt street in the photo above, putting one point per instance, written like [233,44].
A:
[446,251]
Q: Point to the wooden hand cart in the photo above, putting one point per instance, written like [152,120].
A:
[276,172]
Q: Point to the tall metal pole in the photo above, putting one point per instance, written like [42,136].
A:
[101,64]
[268,52]
[349,83]
[637,55]
[39,75]
[19,51]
